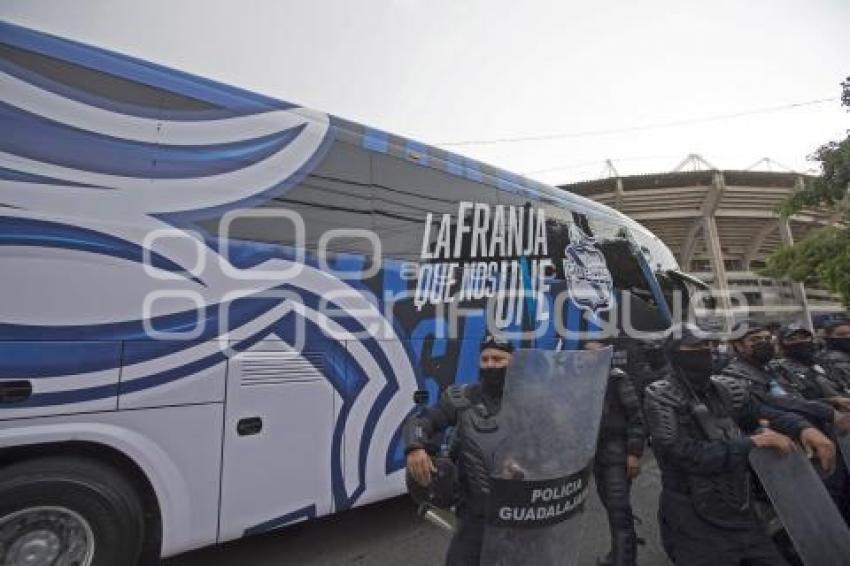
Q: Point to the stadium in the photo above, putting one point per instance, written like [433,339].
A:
[722,225]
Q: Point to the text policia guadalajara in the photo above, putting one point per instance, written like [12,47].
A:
[484,251]
[531,504]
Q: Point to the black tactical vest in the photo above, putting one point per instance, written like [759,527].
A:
[476,437]
[721,499]
[805,381]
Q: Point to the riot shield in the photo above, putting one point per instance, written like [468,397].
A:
[843,442]
[798,495]
[540,471]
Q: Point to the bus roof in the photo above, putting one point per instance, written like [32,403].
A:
[225,101]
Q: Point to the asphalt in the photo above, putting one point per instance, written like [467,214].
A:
[390,533]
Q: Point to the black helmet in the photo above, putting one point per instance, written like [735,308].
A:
[688,335]
[443,491]
[497,343]
[744,328]
[790,330]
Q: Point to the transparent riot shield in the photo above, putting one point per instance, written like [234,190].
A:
[843,442]
[540,471]
[798,495]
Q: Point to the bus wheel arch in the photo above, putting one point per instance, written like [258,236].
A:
[110,460]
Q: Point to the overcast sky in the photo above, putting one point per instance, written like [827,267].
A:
[457,70]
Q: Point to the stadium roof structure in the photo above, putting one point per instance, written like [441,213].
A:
[680,206]
[713,220]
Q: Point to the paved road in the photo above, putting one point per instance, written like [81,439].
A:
[389,533]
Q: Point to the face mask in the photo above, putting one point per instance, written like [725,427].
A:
[762,353]
[802,351]
[493,380]
[696,365]
[655,358]
[842,344]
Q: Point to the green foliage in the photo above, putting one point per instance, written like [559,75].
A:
[824,254]
[828,189]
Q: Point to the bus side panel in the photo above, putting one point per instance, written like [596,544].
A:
[368,477]
[177,448]
[40,371]
[175,379]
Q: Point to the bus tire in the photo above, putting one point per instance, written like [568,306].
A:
[77,506]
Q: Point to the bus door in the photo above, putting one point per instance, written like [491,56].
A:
[278,435]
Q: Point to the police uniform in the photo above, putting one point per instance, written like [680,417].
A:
[801,370]
[775,390]
[808,381]
[700,426]
[621,434]
[471,411]
[811,381]
[836,363]
[706,514]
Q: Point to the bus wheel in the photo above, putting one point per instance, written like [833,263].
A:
[69,511]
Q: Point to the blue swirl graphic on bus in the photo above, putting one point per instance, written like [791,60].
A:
[87,177]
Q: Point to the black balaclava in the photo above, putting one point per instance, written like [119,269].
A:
[762,352]
[493,379]
[842,344]
[695,366]
[655,357]
[836,343]
[803,352]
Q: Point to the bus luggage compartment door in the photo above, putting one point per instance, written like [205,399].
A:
[277,442]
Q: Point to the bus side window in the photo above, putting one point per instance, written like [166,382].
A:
[638,297]
[677,295]
[335,195]
[405,193]
[123,92]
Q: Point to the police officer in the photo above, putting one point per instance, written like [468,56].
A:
[835,358]
[619,449]
[470,410]
[703,428]
[809,380]
[802,374]
[754,348]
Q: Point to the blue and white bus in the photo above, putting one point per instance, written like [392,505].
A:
[215,306]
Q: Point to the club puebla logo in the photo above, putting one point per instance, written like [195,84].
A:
[589,281]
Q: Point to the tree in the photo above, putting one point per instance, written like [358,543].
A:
[824,254]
